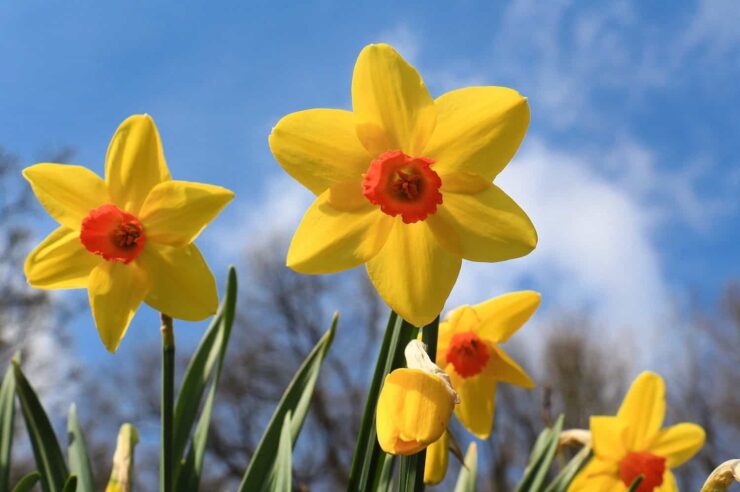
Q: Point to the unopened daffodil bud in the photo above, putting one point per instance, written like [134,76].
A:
[121,477]
[435,467]
[723,477]
[415,404]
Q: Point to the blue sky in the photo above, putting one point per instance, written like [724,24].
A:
[629,170]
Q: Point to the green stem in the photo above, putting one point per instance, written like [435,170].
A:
[166,459]
[412,467]
[368,457]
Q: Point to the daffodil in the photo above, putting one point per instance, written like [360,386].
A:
[415,404]
[469,351]
[633,444]
[128,239]
[403,182]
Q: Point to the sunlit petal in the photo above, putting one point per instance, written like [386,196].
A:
[135,162]
[609,436]
[182,285]
[175,212]
[319,148]
[392,106]
[506,370]
[478,130]
[116,291]
[643,410]
[502,316]
[67,192]
[413,273]
[60,262]
[477,401]
[678,443]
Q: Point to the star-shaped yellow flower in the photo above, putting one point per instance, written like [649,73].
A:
[129,238]
[468,350]
[633,444]
[404,182]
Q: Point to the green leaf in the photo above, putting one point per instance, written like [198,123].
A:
[77,454]
[636,484]
[467,478]
[296,400]
[368,458]
[281,478]
[541,459]
[569,471]
[28,482]
[205,365]
[7,422]
[49,457]
[71,484]
[385,477]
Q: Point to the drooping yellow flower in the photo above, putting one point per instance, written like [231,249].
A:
[129,238]
[404,182]
[415,404]
[633,444]
[468,350]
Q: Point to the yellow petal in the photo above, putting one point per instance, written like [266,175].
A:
[478,131]
[330,240]
[392,106]
[115,291]
[643,410]
[502,316]
[60,262]
[319,148]
[487,226]
[413,273]
[506,370]
[678,443]
[135,162]
[435,466]
[477,401]
[609,437]
[183,286]
[669,483]
[459,320]
[67,192]
[175,212]
[597,476]
[413,411]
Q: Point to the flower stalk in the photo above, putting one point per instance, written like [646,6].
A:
[168,398]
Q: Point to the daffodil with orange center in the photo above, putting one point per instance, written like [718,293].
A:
[403,182]
[128,239]
[632,444]
[469,351]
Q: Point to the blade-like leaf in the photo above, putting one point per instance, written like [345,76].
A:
[209,355]
[569,471]
[28,482]
[467,478]
[281,478]
[71,484]
[541,459]
[296,400]
[79,459]
[49,457]
[122,473]
[7,422]
[385,477]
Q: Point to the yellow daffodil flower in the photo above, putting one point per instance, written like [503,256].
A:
[435,465]
[404,182]
[633,444]
[415,404]
[128,239]
[468,350]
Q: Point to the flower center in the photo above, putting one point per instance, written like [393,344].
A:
[113,234]
[403,185]
[650,466]
[467,353]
